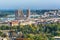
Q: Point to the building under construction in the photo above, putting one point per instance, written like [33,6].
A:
[19,15]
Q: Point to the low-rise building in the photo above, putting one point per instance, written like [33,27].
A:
[4,23]
[14,23]
[56,38]
[23,39]
[27,23]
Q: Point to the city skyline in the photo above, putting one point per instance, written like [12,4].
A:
[32,4]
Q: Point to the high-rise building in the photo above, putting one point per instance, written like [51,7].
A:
[28,14]
[19,15]
[16,14]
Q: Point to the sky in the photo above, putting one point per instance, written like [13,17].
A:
[32,4]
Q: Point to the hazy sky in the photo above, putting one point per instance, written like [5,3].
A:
[32,4]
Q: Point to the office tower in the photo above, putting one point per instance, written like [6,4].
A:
[19,15]
[28,14]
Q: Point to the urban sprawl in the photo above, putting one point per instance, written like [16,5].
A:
[31,26]
[29,18]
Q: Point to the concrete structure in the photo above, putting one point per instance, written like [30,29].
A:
[56,38]
[1,38]
[5,39]
[27,23]
[16,14]
[19,15]
[14,23]
[28,14]
[58,14]
[29,18]
[4,23]
[50,14]
[23,39]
